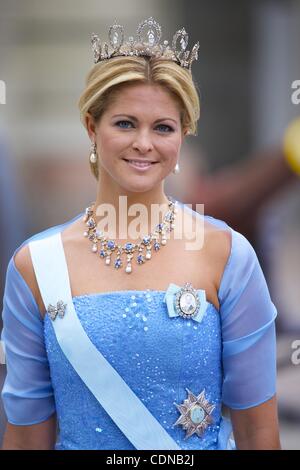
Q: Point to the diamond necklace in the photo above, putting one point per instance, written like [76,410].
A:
[108,246]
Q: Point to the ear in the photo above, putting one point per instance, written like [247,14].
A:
[90,126]
[185,132]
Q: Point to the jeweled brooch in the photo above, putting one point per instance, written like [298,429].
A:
[186,302]
[195,414]
[59,310]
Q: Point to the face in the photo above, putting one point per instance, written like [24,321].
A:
[142,123]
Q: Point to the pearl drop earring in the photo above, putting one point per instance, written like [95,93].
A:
[93,155]
[176,169]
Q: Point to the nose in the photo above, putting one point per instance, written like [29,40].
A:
[142,142]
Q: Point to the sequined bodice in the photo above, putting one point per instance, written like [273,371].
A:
[159,357]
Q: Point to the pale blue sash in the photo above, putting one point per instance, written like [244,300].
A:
[127,411]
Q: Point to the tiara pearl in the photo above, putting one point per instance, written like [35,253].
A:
[146,44]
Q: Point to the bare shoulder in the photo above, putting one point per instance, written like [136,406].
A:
[218,247]
[73,233]
[24,265]
[216,239]
[23,262]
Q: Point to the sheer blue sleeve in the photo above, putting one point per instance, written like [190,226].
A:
[248,329]
[27,393]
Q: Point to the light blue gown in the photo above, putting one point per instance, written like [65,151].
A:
[230,354]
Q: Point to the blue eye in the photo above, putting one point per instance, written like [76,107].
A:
[122,122]
[169,128]
[164,126]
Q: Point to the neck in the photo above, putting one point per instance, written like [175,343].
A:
[110,192]
[112,209]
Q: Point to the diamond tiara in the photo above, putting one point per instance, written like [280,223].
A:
[147,44]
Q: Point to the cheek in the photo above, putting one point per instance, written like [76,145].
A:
[112,145]
[169,148]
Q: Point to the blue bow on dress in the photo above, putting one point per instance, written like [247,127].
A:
[186,302]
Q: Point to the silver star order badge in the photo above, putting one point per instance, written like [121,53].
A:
[195,414]
[59,310]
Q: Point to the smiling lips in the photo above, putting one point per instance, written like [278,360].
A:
[140,164]
[139,161]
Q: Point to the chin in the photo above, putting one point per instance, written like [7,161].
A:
[138,188]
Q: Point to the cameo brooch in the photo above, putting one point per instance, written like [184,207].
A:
[186,302]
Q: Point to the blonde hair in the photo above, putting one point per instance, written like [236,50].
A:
[107,77]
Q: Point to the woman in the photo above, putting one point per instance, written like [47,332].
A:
[139,348]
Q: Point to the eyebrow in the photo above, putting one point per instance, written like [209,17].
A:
[135,119]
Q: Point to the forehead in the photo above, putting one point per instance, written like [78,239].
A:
[143,98]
